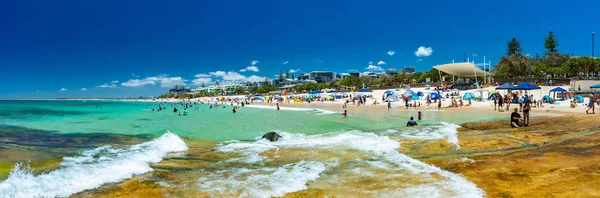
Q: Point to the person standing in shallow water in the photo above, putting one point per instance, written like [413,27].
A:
[591,105]
[411,122]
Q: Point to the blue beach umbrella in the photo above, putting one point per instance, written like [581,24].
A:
[365,90]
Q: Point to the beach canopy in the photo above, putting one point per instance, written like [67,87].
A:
[469,95]
[407,94]
[505,86]
[389,92]
[558,89]
[465,69]
[332,91]
[316,92]
[365,90]
[595,86]
[392,98]
[419,93]
[258,95]
[526,86]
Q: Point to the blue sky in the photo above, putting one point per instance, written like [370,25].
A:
[46,46]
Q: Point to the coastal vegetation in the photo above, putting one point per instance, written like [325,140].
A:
[551,63]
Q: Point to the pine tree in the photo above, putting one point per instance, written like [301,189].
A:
[514,47]
[550,42]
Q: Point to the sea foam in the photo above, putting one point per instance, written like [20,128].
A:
[268,182]
[91,169]
[445,130]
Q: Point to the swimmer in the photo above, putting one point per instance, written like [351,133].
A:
[277,106]
[420,115]
[345,113]
[185,111]
[411,122]
[234,110]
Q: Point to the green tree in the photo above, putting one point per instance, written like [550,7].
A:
[514,47]
[550,42]
[202,85]
[280,76]
[287,74]
[351,81]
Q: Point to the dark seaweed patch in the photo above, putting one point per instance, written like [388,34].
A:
[35,112]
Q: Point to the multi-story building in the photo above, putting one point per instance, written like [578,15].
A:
[391,72]
[409,70]
[304,76]
[354,73]
[322,76]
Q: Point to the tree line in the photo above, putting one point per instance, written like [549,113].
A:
[551,63]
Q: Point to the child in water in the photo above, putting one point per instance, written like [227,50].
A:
[420,116]
[345,114]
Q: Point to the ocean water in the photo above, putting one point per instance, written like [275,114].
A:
[353,156]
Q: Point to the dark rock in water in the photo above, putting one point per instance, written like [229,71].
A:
[272,136]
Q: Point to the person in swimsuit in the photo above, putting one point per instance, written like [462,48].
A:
[420,115]
[440,104]
[526,109]
[345,113]
[591,105]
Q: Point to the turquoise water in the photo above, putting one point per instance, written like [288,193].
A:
[319,149]
[219,124]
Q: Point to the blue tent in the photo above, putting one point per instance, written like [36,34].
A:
[365,90]
[469,95]
[258,95]
[526,86]
[419,93]
[332,91]
[414,97]
[595,86]
[505,86]
[408,94]
[578,99]
[316,92]
[411,92]
[434,96]
[557,89]
[547,98]
[389,92]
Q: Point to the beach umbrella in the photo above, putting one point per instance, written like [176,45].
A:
[332,91]
[365,90]
[407,94]
[595,86]
[414,97]
[555,90]
[419,93]
[526,86]
[434,96]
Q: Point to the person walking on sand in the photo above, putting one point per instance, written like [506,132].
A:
[440,105]
[526,109]
[591,105]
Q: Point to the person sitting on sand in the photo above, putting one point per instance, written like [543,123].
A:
[515,119]
[412,122]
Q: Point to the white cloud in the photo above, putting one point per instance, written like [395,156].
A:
[419,60]
[250,68]
[114,82]
[200,81]
[164,80]
[381,62]
[285,62]
[254,62]
[134,75]
[370,62]
[391,52]
[229,76]
[137,82]
[63,89]
[475,55]
[294,70]
[255,78]
[106,85]
[374,68]
[84,89]
[423,51]
[202,75]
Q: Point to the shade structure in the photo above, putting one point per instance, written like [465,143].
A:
[332,91]
[557,89]
[578,99]
[526,86]
[434,96]
[419,93]
[389,92]
[365,90]
[595,86]
[414,97]
[469,95]
[465,69]
[407,94]
[505,86]
[316,92]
